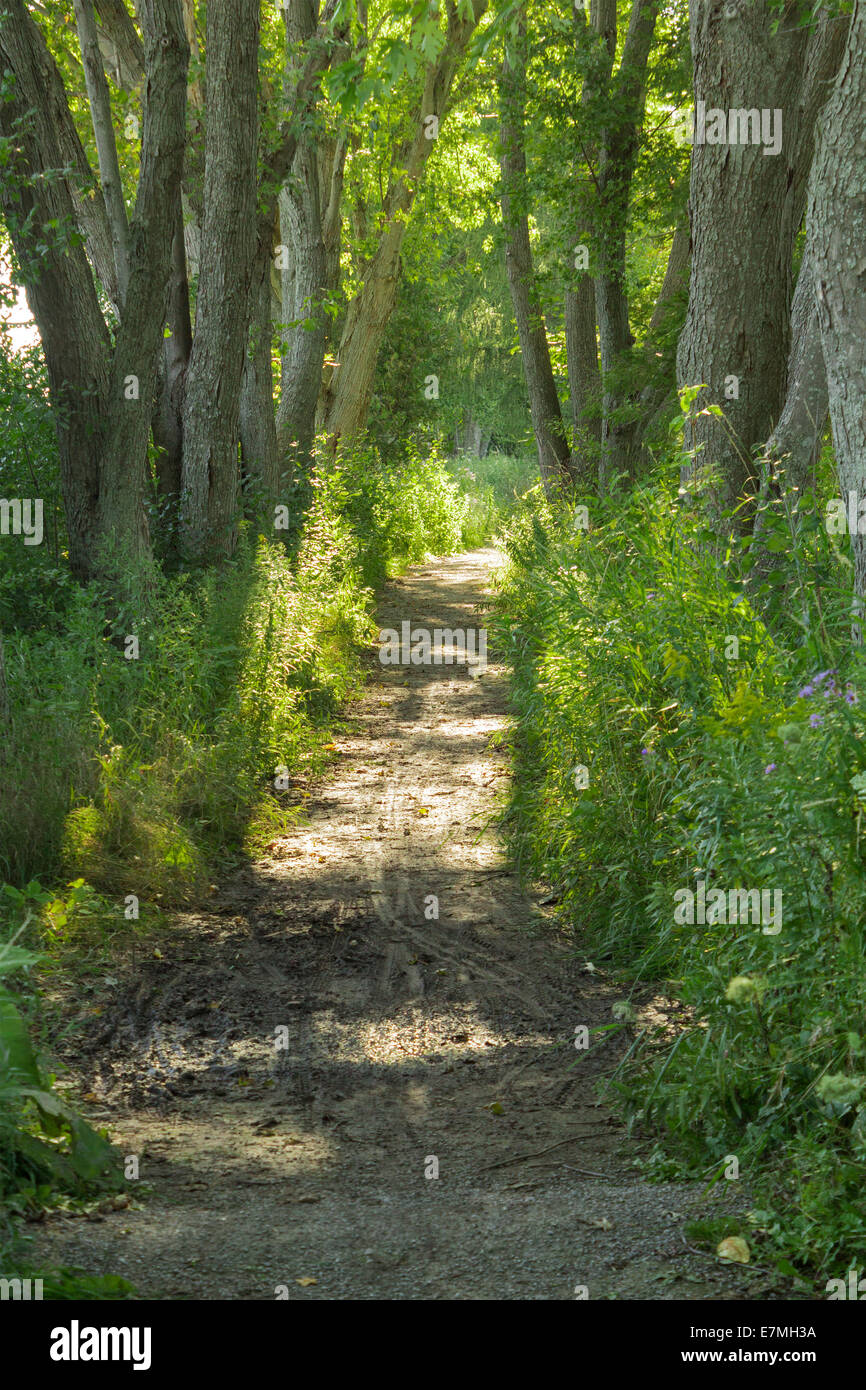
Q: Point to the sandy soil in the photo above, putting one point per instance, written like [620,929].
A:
[408,1038]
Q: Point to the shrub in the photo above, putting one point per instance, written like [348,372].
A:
[722,734]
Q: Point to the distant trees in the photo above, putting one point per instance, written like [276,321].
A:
[101,390]
[181,348]
[278,177]
[554,454]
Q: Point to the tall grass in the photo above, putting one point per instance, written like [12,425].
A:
[685,713]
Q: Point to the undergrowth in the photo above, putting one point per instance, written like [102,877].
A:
[688,734]
[144,745]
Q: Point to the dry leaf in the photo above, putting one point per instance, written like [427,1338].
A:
[305,1283]
[735,1250]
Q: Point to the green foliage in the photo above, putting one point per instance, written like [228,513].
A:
[133,776]
[46,1148]
[714,752]
[34,581]
[135,773]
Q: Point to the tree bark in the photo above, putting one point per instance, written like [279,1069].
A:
[581,334]
[59,285]
[303,285]
[791,453]
[139,336]
[106,149]
[210,481]
[584,377]
[118,28]
[100,398]
[86,194]
[837,215]
[823,57]
[303,278]
[258,429]
[676,275]
[618,155]
[795,444]
[554,455]
[736,336]
[167,422]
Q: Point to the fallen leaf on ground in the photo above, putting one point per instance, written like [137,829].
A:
[735,1250]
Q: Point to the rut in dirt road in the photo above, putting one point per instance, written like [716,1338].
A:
[414,1045]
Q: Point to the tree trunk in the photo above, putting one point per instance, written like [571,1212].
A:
[657,397]
[106,149]
[791,453]
[303,278]
[676,275]
[736,336]
[837,216]
[118,28]
[213,382]
[99,399]
[581,334]
[139,336]
[554,455]
[60,288]
[823,57]
[618,156]
[167,422]
[795,444]
[351,386]
[303,284]
[584,377]
[86,194]
[258,429]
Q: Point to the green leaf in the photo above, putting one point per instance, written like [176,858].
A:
[16,1053]
[90,1154]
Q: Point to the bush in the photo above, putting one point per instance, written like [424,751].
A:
[723,737]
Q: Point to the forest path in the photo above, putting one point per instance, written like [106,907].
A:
[407,1038]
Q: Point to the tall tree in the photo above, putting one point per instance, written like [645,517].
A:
[101,396]
[617,157]
[736,337]
[792,450]
[351,386]
[837,216]
[106,148]
[210,476]
[581,332]
[554,455]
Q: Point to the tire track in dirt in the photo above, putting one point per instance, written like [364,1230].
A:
[408,1039]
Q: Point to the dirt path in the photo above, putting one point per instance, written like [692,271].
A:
[409,1039]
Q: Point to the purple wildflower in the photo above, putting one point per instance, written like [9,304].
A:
[805,692]
[815,720]
[771,767]
[850,695]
